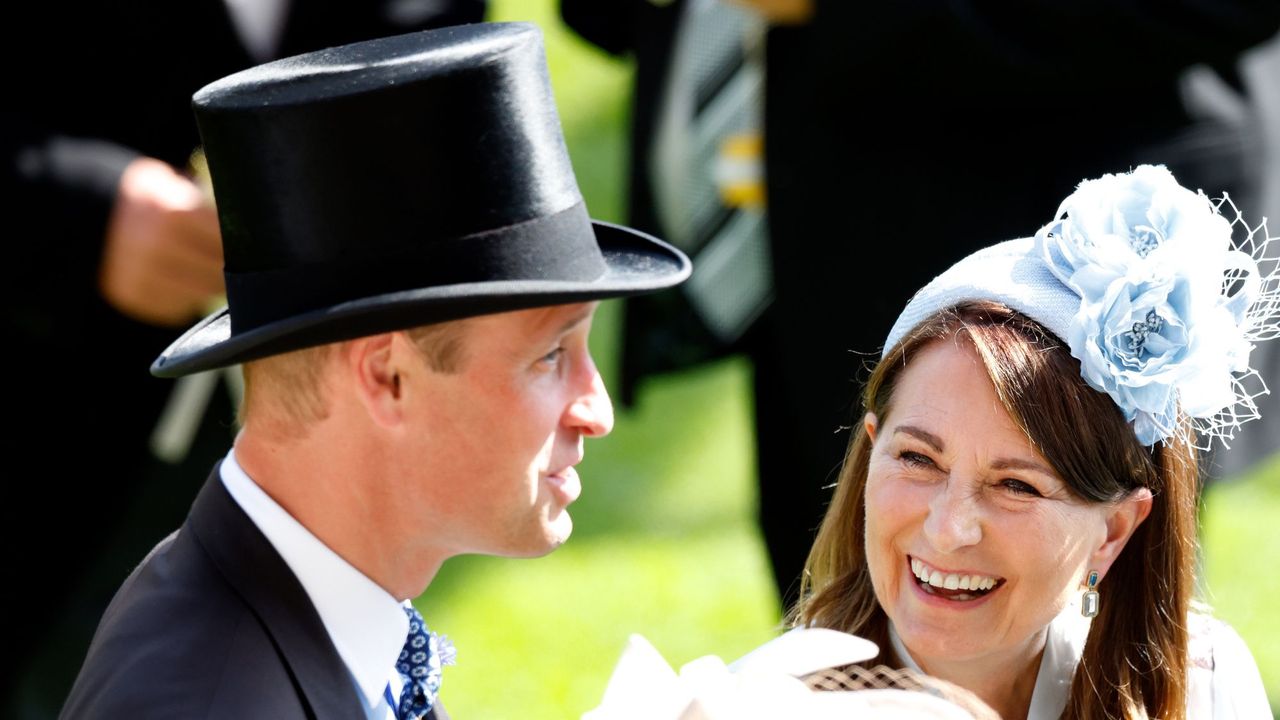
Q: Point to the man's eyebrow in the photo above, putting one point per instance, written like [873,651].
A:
[577,318]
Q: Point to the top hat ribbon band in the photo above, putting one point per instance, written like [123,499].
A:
[516,252]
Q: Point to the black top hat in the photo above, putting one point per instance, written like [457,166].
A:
[398,182]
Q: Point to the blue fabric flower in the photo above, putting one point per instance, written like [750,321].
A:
[1142,280]
[1155,329]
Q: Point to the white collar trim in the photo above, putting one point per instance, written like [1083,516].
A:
[367,625]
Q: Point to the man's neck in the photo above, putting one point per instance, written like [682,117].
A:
[318,481]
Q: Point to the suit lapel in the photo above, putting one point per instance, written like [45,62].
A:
[252,567]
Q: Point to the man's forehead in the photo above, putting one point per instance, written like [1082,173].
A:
[549,320]
[572,315]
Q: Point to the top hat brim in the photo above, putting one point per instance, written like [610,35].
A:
[636,263]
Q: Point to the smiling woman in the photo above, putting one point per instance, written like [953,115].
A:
[1017,512]
[973,542]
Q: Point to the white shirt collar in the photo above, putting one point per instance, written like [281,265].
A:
[366,624]
[1063,648]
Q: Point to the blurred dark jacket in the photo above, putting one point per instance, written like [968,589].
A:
[899,137]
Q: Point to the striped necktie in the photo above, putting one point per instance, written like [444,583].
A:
[707,164]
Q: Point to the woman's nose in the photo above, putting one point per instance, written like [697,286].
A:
[954,520]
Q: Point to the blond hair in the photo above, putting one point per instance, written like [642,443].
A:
[289,388]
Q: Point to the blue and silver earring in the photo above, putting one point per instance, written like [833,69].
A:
[1089,602]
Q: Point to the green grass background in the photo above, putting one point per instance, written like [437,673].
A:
[665,542]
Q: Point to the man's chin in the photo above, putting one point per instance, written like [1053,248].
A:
[558,531]
[554,533]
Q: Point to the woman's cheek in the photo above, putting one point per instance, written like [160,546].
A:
[883,508]
[893,500]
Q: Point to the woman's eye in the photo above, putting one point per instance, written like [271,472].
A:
[552,357]
[914,459]
[1018,487]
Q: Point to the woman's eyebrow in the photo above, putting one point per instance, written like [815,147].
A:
[936,443]
[1021,464]
[924,435]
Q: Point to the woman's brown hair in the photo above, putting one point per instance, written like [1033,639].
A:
[1135,659]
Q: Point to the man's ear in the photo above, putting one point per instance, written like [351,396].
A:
[1122,519]
[375,378]
[869,423]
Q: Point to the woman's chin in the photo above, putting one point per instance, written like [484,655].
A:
[945,629]
[948,645]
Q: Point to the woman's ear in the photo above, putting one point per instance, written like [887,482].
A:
[869,424]
[1122,519]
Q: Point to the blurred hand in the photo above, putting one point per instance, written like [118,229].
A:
[781,12]
[162,258]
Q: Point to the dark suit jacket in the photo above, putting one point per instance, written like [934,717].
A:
[213,624]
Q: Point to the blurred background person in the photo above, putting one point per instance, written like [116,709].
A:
[1258,109]
[894,127]
[115,246]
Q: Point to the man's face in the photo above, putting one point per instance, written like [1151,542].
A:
[490,467]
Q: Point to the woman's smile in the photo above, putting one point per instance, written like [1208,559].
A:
[960,588]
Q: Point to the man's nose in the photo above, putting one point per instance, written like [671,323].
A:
[592,413]
[954,520]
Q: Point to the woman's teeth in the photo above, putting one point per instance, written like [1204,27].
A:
[935,579]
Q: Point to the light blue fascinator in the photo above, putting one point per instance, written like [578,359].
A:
[1156,291]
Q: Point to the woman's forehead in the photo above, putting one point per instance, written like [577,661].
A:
[944,397]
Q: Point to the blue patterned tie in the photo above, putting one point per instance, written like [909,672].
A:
[419,666]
